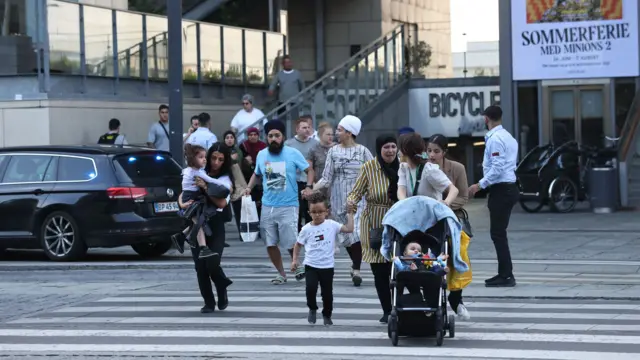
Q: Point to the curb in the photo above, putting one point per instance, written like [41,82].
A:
[156,266]
[547,297]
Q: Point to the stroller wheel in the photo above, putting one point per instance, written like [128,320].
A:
[452,326]
[392,329]
[439,337]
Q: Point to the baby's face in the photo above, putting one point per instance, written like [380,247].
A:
[413,249]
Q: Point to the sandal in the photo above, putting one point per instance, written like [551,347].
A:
[279,280]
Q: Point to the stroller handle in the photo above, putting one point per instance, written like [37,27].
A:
[409,258]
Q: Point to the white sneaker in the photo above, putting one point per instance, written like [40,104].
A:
[463,313]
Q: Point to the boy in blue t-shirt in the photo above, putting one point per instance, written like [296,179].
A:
[277,167]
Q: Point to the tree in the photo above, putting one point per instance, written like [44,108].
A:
[418,58]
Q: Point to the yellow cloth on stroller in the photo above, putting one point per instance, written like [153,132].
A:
[456,280]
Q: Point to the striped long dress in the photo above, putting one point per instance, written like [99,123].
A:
[371,184]
[341,170]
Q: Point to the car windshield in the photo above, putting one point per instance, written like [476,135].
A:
[146,167]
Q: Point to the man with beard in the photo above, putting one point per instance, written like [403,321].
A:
[498,166]
[277,166]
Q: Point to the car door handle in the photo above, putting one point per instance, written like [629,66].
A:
[38,192]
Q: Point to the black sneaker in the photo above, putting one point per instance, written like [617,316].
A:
[192,243]
[311,318]
[226,245]
[501,282]
[178,242]
[208,309]
[327,321]
[492,279]
[205,252]
[384,319]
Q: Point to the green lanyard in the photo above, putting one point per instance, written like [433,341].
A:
[412,182]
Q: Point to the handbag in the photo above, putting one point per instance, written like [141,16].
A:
[375,238]
[463,217]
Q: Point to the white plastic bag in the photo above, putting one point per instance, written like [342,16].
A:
[249,221]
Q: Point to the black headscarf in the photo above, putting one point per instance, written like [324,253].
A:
[389,170]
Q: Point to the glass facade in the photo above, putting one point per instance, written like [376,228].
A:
[93,41]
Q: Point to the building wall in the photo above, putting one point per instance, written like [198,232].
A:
[360,22]
[68,122]
[113,4]
[482,59]
[432,20]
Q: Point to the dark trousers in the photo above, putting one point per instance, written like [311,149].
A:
[355,254]
[381,279]
[323,277]
[502,198]
[303,209]
[209,269]
[455,299]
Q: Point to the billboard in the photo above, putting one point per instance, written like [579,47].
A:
[451,111]
[569,39]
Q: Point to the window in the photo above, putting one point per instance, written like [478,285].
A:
[26,168]
[75,169]
[146,166]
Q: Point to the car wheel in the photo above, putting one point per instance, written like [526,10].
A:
[60,237]
[152,250]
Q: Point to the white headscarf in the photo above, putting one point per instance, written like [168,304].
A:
[351,123]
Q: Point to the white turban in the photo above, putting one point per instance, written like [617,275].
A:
[351,123]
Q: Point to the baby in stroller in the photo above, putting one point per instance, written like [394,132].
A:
[420,261]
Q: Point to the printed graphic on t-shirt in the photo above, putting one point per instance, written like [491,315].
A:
[276,173]
[320,237]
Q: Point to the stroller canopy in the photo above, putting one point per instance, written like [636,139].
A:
[421,213]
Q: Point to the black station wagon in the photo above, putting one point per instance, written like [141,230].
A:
[66,199]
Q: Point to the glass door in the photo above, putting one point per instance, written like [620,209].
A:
[578,113]
[563,116]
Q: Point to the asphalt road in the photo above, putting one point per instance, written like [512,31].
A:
[154,313]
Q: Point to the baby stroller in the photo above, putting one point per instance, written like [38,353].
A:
[420,313]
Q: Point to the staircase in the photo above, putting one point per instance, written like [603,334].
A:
[352,87]
[629,157]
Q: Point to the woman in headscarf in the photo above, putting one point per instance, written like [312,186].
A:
[378,183]
[250,149]
[239,183]
[341,171]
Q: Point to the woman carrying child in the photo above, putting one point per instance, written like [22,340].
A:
[319,240]
[209,269]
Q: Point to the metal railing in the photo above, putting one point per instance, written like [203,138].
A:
[628,146]
[351,87]
[89,40]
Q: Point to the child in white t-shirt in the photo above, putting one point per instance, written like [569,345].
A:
[319,240]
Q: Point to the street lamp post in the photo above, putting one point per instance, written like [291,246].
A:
[174,16]
[464,56]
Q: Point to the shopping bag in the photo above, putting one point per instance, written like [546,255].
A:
[249,221]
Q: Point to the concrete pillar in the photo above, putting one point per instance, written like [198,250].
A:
[174,16]
[319,20]
[506,69]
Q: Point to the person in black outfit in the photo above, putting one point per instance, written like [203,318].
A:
[209,269]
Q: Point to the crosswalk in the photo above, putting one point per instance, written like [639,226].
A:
[271,321]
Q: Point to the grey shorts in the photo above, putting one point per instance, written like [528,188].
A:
[279,226]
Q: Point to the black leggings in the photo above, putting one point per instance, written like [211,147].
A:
[209,269]
[355,253]
[381,279]
[455,299]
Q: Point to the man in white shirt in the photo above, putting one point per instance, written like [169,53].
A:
[203,136]
[246,117]
[499,165]
[192,128]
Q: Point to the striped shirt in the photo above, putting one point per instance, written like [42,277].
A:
[372,184]
[342,168]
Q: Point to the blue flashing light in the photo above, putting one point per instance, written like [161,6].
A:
[132,159]
[159,158]
[92,175]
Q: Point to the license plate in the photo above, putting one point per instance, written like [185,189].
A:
[163,207]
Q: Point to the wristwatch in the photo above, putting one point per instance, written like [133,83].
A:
[310,186]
